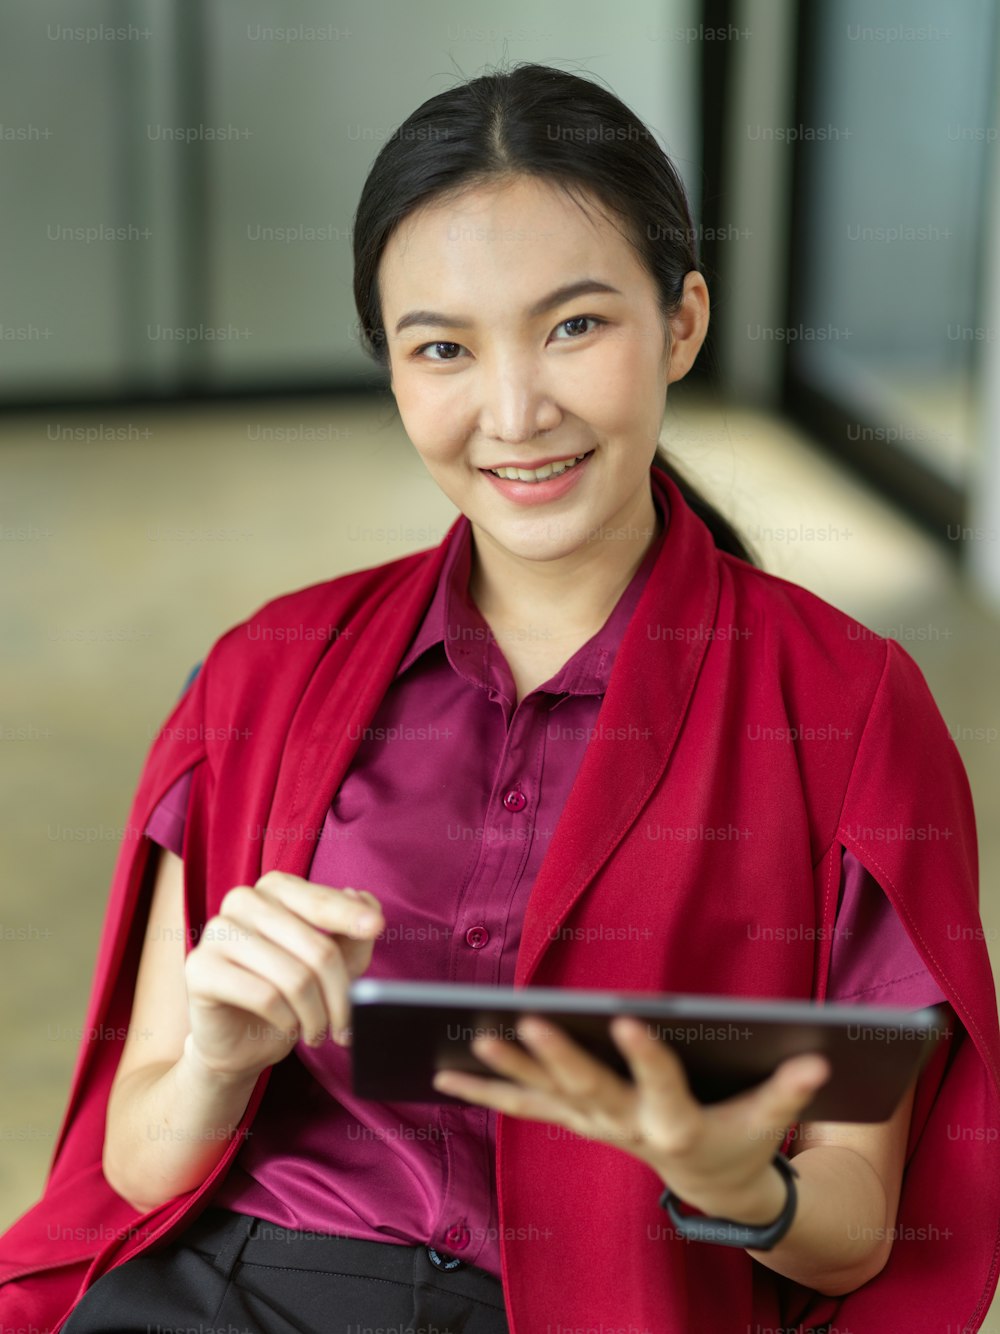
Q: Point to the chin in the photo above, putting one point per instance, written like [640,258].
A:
[551,543]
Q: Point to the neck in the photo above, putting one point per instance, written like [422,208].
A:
[574,593]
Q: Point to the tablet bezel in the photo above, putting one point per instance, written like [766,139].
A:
[403,1031]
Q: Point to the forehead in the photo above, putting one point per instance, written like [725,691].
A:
[521,227]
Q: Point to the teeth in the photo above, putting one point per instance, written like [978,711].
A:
[536,474]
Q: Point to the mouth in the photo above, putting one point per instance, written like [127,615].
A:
[536,476]
[550,484]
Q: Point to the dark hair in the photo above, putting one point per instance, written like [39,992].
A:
[533,120]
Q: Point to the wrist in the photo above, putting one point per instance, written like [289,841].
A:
[201,1077]
[758,1204]
[730,1226]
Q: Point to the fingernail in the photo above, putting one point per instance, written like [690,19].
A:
[367,920]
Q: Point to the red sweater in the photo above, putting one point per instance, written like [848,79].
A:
[746,700]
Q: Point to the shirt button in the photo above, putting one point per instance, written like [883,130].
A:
[477,936]
[457,1236]
[515,800]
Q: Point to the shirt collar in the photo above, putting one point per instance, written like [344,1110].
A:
[454,620]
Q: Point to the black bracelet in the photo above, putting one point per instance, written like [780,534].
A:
[727,1232]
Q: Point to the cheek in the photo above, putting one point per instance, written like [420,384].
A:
[636,382]
[432,417]
[610,392]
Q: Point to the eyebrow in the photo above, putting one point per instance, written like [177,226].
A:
[583,287]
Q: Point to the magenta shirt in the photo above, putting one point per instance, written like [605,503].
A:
[445,816]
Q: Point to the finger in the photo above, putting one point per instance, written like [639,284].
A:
[666,1100]
[320,952]
[225,982]
[503,1096]
[355,919]
[363,896]
[512,1060]
[573,1070]
[293,978]
[325,907]
[778,1101]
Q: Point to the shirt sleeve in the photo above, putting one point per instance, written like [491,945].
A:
[166,824]
[873,961]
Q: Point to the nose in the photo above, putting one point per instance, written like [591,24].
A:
[516,403]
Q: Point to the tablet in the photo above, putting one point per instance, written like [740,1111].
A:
[404,1032]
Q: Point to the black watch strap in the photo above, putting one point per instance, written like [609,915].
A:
[727,1232]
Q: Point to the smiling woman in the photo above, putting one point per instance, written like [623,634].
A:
[508,743]
[560,151]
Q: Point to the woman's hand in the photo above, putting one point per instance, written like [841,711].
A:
[273,965]
[717,1158]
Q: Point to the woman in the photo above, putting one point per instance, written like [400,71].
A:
[526,274]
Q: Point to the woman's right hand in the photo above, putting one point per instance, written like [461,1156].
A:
[274,965]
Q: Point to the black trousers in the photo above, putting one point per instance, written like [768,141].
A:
[231,1273]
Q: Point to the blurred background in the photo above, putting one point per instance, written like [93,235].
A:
[188,426]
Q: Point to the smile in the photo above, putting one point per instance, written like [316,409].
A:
[527,487]
[537,474]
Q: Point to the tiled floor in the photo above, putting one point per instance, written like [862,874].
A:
[126,555]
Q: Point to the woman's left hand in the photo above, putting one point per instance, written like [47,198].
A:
[717,1158]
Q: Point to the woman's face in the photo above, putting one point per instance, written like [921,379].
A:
[494,361]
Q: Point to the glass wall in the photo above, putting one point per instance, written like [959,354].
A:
[178,181]
[896,134]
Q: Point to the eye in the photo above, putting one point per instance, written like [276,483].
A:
[419,352]
[578,320]
[450,351]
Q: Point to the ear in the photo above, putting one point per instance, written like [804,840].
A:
[688,327]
